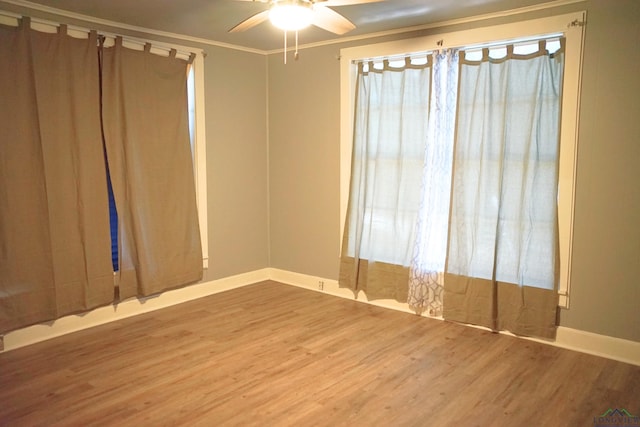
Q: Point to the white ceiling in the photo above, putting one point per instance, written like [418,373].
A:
[211,19]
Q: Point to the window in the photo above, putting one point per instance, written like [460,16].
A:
[565,25]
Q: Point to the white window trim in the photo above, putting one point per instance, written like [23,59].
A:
[163,49]
[570,25]
[200,157]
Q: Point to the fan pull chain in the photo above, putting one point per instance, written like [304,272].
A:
[285,47]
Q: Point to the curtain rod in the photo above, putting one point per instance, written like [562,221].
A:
[11,19]
[440,43]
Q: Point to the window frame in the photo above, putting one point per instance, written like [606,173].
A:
[570,26]
[200,155]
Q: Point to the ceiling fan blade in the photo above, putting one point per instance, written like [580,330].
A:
[256,19]
[331,20]
[345,2]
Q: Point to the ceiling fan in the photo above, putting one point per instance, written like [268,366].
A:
[295,15]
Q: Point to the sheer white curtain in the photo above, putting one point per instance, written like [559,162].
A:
[503,243]
[430,248]
[390,135]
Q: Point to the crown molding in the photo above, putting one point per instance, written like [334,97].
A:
[439,24]
[120,25]
[94,20]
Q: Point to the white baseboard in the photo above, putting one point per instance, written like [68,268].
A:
[330,287]
[598,345]
[572,339]
[132,307]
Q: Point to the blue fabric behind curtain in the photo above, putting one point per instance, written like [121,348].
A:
[113,224]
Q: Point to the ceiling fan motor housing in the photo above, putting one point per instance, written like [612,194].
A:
[291,15]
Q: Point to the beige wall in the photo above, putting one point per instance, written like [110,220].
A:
[236,120]
[605,294]
[304,172]
[304,114]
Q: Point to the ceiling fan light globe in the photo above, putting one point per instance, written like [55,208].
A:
[291,17]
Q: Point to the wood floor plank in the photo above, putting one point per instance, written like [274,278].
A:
[272,354]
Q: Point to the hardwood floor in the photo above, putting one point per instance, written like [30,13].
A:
[271,354]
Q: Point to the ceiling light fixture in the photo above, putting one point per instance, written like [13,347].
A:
[291,16]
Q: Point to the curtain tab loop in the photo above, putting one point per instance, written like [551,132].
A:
[118,41]
[172,53]
[147,47]
[542,46]
[25,22]
[510,48]
[62,29]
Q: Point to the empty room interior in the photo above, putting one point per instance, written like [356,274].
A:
[320,212]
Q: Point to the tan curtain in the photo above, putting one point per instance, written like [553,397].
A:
[145,119]
[54,224]
[502,265]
